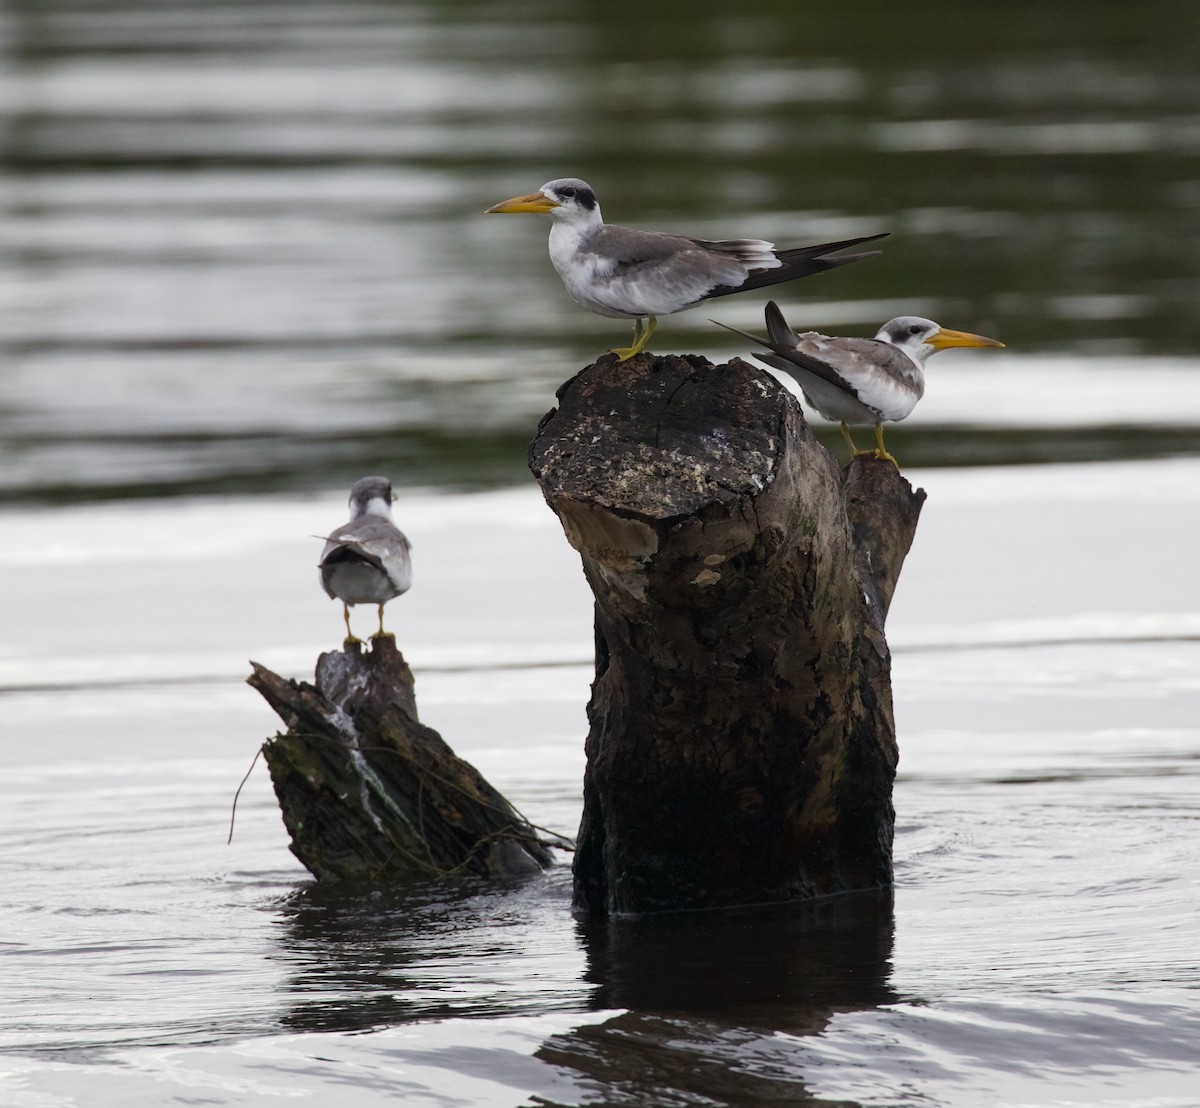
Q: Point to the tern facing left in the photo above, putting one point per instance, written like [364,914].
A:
[860,380]
[366,561]
[626,274]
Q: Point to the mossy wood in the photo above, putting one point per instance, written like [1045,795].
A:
[742,747]
[368,793]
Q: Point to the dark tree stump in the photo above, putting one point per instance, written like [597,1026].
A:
[369,794]
[741,748]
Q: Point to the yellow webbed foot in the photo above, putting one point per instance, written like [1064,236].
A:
[880,451]
[641,336]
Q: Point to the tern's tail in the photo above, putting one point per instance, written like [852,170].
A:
[802,261]
[787,354]
[777,327]
[783,339]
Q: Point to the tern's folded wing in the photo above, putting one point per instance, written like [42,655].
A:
[789,358]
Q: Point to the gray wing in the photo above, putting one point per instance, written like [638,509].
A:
[651,273]
[843,378]
[682,263]
[375,542]
[849,363]
[786,357]
[640,273]
[856,361]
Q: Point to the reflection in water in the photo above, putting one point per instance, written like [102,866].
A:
[463,948]
[350,956]
[784,969]
[714,1000]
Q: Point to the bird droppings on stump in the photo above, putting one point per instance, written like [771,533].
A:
[369,794]
[742,747]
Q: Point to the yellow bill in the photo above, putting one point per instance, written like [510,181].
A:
[534,202]
[945,339]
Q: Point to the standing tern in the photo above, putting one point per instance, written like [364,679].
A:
[860,380]
[366,560]
[626,274]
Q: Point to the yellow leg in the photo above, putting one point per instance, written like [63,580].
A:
[642,330]
[880,451]
[379,634]
[854,450]
[350,636]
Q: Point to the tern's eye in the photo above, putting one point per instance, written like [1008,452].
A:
[915,329]
[567,193]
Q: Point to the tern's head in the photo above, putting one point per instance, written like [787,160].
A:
[920,337]
[568,199]
[371,496]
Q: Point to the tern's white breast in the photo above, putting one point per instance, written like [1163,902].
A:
[587,275]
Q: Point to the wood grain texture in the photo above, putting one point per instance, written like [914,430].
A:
[371,795]
[741,747]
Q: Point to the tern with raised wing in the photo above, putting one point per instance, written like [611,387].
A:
[852,380]
[623,273]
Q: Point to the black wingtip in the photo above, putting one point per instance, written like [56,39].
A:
[822,248]
[845,259]
[777,327]
[803,261]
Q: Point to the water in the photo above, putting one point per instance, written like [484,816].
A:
[1041,945]
[243,264]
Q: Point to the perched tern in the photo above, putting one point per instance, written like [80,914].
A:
[366,560]
[626,274]
[860,380]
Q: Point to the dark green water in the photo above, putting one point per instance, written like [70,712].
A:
[243,249]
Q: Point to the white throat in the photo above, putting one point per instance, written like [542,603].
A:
[376,506]
[917,353]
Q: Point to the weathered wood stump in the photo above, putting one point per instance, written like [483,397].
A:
[742,747]
[369,794]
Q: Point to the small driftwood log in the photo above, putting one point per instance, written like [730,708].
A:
[370,794]
[742,747]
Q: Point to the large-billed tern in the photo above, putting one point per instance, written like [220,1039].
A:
[623,273]
[853,380]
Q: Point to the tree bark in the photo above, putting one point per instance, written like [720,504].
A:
[741,747]
[369,794]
